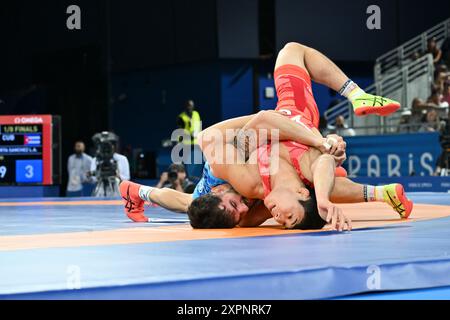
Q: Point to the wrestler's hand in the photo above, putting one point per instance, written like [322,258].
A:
[338,148]
[334,216]
[339,159]
[332,144]
[322,145]
[338,145]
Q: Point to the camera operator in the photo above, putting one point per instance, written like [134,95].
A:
[108,167]
[176,178]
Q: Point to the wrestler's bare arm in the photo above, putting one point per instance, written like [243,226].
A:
[241,175]
[323,177]
[287,129]
[171,199]
[269,120]
[294,131]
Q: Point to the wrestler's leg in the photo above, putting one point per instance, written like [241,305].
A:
[320,68]
[324,71]
[347,191]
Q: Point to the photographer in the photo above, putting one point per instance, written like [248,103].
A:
[176,178]
[108,168]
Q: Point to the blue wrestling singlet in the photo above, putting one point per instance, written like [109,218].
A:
[207,182]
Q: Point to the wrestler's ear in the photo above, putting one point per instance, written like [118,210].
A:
[216,191]
[304,192]
[220,189]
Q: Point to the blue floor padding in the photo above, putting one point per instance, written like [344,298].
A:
[21,220]
[430,198]
[295,266]
[421,294]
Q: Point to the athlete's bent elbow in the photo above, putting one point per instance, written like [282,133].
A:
[260,121]
[200,141]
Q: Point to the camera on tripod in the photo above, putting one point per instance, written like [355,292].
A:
[106,167]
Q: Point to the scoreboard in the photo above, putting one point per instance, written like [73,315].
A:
[27,150]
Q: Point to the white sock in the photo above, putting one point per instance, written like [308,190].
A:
[351,90]
[373,193]
[144,193]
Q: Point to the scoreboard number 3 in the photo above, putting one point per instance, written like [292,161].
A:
[29,171]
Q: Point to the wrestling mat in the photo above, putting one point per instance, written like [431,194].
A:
[87,249]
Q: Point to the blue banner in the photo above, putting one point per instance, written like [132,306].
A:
[411,184]
[392,155]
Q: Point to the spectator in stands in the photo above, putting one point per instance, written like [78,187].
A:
[436,101]
[78,166]
[415,55]
[434,50]
[405,122]
[176,178]
[441,74]
[342,129]
[446,93]
[190,121]
[418,109]
[432,123]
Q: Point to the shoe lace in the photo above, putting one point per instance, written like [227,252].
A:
[397,207]
[376,99]
[129,205]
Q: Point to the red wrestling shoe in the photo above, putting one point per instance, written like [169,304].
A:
[134,205]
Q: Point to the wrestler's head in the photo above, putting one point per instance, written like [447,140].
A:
[222,208]
[295,210]
[285,206]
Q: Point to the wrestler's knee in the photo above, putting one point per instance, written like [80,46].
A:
[294,46]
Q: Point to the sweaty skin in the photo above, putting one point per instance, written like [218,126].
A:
[285,181]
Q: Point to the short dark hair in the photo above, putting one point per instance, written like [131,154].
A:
[178,167]
[311,219]
[204,213]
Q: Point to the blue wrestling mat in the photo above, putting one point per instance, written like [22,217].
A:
[87,249]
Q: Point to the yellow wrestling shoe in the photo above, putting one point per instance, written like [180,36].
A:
[366,104]
[394,195]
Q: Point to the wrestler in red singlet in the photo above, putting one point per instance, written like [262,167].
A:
[296,101]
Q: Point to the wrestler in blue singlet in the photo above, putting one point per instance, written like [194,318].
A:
[207,182]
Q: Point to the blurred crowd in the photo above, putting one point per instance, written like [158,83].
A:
[432,114]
